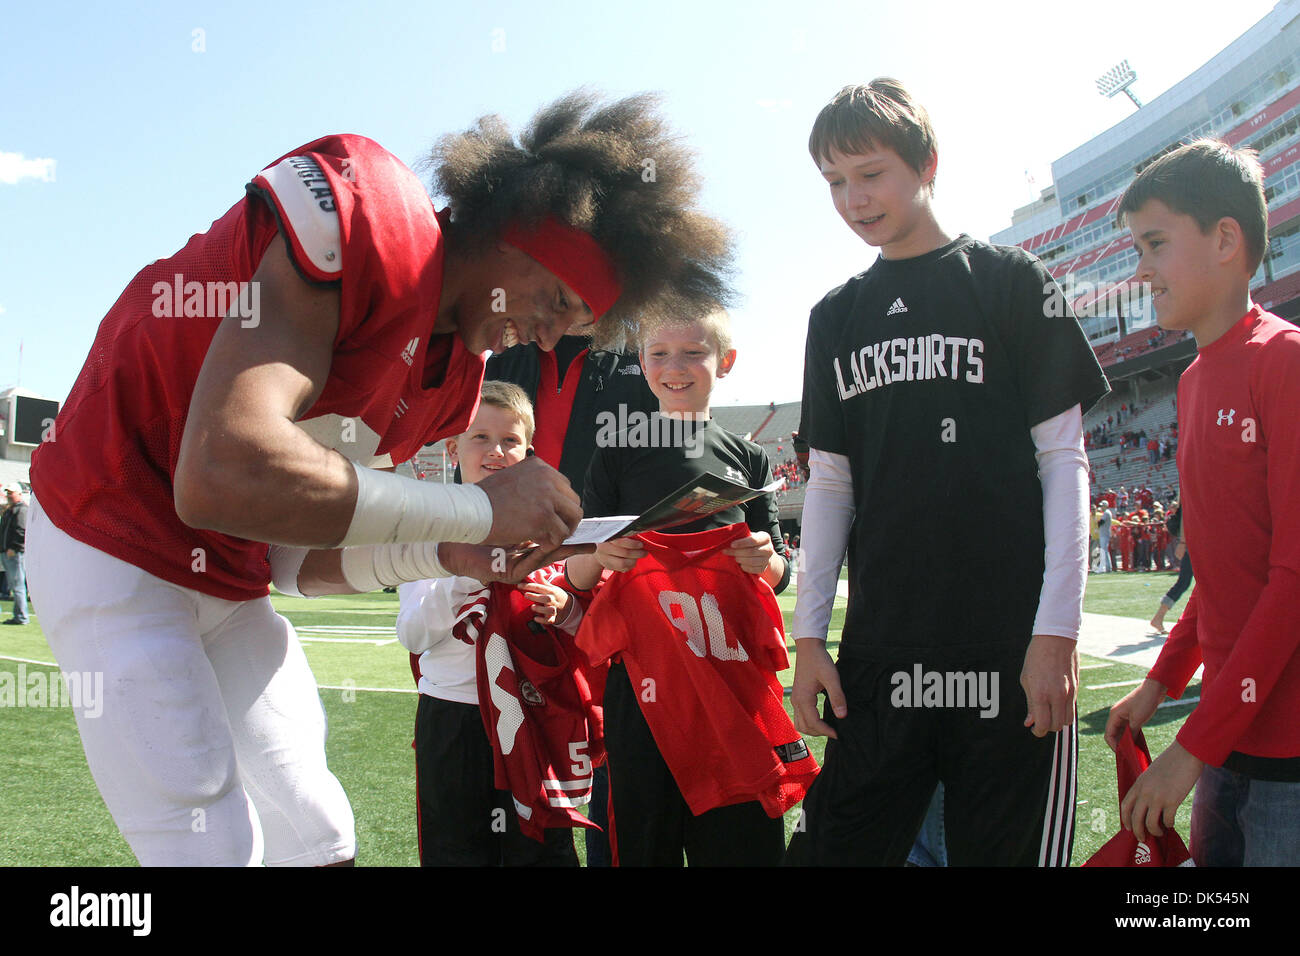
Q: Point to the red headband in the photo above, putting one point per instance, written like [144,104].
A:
[574,257]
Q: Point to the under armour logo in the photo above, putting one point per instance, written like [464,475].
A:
[1226,419]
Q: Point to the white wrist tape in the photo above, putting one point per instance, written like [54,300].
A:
[371,567]
[286,562]
[392,509]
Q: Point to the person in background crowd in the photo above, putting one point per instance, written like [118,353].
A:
[13,544]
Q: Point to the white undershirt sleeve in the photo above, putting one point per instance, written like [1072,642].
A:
[1063,471]
[827,517]
[428,609]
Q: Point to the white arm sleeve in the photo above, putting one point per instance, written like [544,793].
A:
[1063,470]
[827,517]
[427,610]
[286,562]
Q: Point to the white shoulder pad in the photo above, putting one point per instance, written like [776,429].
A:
[307,204]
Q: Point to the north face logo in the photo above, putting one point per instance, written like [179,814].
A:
[1143,855]
[1226,419]
[630,370]
[896,307]
[734,475]
[408,353]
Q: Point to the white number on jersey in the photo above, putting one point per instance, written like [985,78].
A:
[702,625]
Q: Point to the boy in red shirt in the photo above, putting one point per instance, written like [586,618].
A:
[1200,224]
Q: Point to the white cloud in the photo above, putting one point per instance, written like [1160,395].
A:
[15,166]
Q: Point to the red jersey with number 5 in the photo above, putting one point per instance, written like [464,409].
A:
[536,701]
[702,641]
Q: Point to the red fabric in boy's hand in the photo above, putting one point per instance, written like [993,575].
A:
[1123,849]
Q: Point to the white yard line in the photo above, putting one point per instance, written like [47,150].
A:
[310,639]
[377,690]
[27,660]
[344,628]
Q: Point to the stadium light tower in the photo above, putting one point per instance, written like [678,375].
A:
[1118,79]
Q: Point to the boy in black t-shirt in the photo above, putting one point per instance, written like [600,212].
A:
[952,373]
[652,823]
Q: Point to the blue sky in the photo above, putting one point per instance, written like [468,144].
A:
[154,115]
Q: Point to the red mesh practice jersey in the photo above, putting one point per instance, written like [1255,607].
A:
[352,216]
[537,709]
[702,642]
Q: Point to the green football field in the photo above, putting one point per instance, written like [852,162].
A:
[51,813]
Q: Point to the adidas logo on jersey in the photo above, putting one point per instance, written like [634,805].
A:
[408,353]
[896,307]
[1142,855]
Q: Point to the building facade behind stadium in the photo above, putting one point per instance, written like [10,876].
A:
[1247,95]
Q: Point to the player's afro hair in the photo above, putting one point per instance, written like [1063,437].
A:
[612,169]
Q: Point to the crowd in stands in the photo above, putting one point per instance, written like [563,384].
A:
[790,471]
[1139,539]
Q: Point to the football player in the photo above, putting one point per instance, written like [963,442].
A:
[251,388]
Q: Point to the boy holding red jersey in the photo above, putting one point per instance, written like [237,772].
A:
[688,771]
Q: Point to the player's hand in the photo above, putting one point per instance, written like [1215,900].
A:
[1050,679]
[511,565]
[531,501]
[814,671]
[1133,710]
[550,604]
[620,554]
[1155,796]
[753,553]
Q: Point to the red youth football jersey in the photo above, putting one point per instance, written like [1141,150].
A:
[702,641]
[537,709]
[352,216]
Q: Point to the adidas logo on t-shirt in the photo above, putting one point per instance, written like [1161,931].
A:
[896,307]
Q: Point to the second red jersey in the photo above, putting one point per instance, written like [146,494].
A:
[537,707]
[702,641]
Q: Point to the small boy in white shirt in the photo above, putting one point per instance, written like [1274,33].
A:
[463,819]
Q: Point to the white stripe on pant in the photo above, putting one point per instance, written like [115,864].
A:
[210,750]
[1058,821]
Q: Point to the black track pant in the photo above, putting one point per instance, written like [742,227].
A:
[1009,797]
[652,825]
[464,820]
